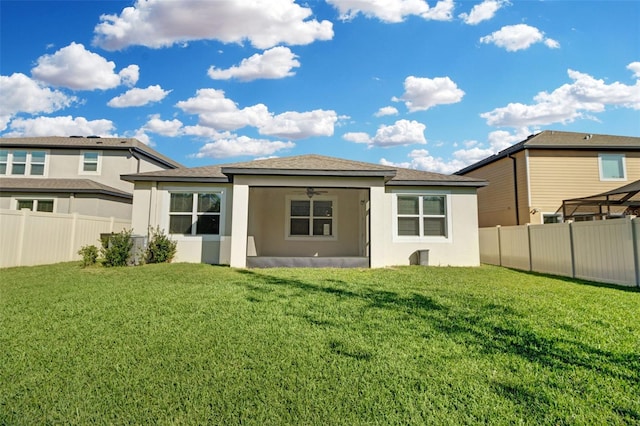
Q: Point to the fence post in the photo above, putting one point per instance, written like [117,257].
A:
[111,224]
[72,238]
[529,246]
[21,228]
[634,239]
[572,251]
[499,245]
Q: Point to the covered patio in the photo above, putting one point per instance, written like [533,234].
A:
[623,201]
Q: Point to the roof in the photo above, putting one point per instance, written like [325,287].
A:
[40,185]
[94,142]
[306,165]
[553,139]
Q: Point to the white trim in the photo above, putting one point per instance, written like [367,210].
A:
[82,171]
[334,218]
[421,238]
[624,166]
[528,165]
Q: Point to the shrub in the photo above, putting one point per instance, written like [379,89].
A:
[160,248]
[116,249]
[89,255]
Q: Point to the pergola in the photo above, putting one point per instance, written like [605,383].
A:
[617,202]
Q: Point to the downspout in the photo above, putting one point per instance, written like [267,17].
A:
[515,188]
[137,158]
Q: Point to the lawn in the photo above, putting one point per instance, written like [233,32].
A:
[199,344]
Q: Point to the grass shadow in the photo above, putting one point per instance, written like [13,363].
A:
[578,281]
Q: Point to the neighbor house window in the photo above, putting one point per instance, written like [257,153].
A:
[91,162]
[612,167]
[314,218]
[35,205]
[551,218]
[22,163]
[422,215]
[194,213]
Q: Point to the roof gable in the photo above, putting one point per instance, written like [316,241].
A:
[307,165]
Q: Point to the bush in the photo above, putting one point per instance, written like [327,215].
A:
[160,248]
[116,249]
[89,255]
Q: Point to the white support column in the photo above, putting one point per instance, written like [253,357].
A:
[239,225]
[378,226]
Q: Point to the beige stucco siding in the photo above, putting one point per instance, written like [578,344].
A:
[462,247]
[556,175]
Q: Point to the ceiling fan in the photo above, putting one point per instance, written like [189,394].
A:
[312,191]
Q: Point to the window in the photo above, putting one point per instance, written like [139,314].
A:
[90,162]
[194,213]
[311,217]
[612,167]
[422,215]
[552,218]
[22,162]
[35,205]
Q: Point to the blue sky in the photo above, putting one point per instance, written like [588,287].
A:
[433,85]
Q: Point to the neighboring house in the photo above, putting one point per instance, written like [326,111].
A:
[74,174]
[529,180]
[310,210]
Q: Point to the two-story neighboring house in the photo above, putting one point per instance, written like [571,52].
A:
[74,174]
[529,180]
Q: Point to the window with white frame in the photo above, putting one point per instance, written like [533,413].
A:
[91,162]
[22,162]
[194,213]
[422,215]
[36,205]
[311,217]
[612,167]
[552,218]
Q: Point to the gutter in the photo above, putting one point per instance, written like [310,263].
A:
[515,186]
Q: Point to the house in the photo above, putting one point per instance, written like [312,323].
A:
[529,180]
[74,174]
[310,210]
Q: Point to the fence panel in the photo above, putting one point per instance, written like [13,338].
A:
[514,247]
[489,245]
[604,251]
[551,249]
[37,238]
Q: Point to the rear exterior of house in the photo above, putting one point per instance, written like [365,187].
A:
[311,211]
[74,174]
[529,181]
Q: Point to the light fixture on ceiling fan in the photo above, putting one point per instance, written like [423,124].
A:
[312,191]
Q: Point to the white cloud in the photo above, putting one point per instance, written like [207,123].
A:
[393,11]
[277,62]
[163,127]
[388,110]
[76,68]
[483,11]
[518,37]
[421,159]
[242,146]
[217,111]
[22,94]
[139,97]
[300,125]
[402,132]
[567,103]
[158,23]
[424,93]
[635,68]
[60,126]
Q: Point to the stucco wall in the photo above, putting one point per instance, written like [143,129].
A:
[85,204]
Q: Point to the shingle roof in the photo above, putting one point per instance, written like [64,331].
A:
[553,139]
[89,142]
[40,185]
[307,165]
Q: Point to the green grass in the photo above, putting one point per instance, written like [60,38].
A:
[197,344]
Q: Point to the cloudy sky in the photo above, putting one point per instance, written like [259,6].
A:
[433,85]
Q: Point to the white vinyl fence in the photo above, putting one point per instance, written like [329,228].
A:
[604,250]
[38,238]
